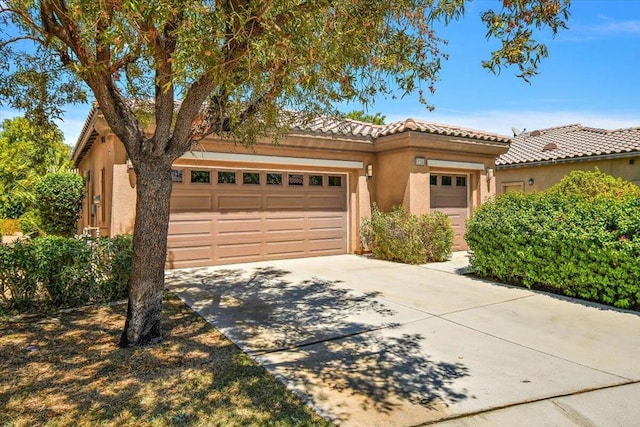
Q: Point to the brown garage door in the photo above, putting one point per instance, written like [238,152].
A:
[231,216]
[449,195]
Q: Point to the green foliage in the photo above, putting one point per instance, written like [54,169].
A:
[18,275]
[56,271]
[30,223]
[9,227]
[59,198]
[584,244]
[26,154]
[361,116]
[403,237]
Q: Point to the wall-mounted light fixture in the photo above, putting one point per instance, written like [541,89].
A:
[420,161]
[489,174]
[531,181]
[369,171]
[129,164]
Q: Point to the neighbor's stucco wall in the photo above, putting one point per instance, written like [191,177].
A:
[547,175]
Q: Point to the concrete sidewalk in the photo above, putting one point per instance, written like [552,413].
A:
[369,342]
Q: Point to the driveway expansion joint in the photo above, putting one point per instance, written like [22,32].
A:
[525,402]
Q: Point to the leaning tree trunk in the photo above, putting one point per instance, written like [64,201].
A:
[146,285]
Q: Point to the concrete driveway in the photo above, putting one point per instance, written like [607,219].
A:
[369,342]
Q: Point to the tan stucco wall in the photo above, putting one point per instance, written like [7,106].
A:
[547,175]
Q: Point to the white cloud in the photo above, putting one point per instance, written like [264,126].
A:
[606,28]
[501,122]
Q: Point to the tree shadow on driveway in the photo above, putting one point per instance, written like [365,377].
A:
[340,349]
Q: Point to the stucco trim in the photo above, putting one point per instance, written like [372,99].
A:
[455,165]
[274,160]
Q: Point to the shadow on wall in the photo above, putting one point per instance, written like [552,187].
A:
[340,337]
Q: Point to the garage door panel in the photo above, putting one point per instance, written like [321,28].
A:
[191,202]
[191,228]
[239,250]
[284,247]
[327,222]
[187,255]
[292,224]
[238,226]
[330,202]
[249,202]
[322,245]
[274,202]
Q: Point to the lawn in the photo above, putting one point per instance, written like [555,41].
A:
[66,369]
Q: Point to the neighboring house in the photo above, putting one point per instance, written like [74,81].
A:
[539,159]
[305,196]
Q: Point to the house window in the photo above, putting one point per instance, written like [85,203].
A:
[201,177]
[295,179]
[315,180]
[225,177]
[433,179]
[461,181]
[177,175]
[446,181]
[335,181]
[274,179]
[251,178]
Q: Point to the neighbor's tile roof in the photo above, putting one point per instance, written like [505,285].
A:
[569,142]
[327,125]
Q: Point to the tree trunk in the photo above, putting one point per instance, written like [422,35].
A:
[146,285]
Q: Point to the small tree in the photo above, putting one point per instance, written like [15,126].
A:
[59,199]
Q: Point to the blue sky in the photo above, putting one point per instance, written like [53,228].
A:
[592,76]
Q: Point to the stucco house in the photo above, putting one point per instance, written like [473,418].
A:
[539,159]
[305,196]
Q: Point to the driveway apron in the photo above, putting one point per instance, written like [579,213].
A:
[367,342]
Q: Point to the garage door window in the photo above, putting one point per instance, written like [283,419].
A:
[226,177]
[251,178]
[315,180]
[446,181]
[461,181]
[335,181]
[433,179]
[295,179]
[201,177]
[177,176]
[274,179]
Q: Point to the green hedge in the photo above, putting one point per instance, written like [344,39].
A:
[61,272]
[403,237]
[580,238]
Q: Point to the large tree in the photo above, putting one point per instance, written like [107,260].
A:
[230,68]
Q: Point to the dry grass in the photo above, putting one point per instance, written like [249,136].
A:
[78,375]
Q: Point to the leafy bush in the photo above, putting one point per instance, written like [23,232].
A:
[585,243]
[59,199]
[64,272]
[30,223]
[18,284]
[403,237]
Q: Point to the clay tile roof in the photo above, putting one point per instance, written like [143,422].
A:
[325,125]
[572,142]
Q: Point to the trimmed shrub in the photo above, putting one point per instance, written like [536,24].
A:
[59,199]
[57,271]
[402,237]
[580,238]
[18,284]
